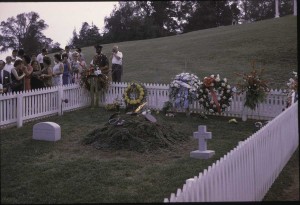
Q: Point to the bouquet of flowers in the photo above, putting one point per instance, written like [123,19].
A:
[293,88]
[183,89]
[293,82]
[215,94]
[115,106]
[254,86]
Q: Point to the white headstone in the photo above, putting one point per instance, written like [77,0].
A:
[47,131]
[202,136]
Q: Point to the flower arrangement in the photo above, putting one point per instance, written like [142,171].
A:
[292,89]
[92,75]
[254,86]
[115,106]
[215,94]
[183,89]
[134,95]
[293,82]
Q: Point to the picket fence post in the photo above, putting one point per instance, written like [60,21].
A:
[19,110]
[59,99]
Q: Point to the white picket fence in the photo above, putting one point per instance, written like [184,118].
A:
[16,108]
[247,172]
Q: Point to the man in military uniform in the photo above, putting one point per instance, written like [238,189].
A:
[99,63]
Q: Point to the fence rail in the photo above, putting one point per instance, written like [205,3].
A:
[247,172]
[16,108]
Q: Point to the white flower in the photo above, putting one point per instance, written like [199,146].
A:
[224,97]
[211,110]
[228,91]
[223,84]
[201,91]
[219,98]
[212,84]
[212,76]
[225,80]
[201,99]
[214,106]
[224,106]
[212,102]
[228,86]
[218,78]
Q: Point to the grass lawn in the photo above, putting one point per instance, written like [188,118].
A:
[224,50]
[68,172]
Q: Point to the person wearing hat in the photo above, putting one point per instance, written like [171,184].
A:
[100,65]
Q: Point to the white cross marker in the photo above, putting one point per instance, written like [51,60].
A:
[202,135]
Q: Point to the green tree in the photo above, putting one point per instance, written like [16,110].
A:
[255,10]
[24,31]
[208,14]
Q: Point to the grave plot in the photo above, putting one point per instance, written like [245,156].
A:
[139,133]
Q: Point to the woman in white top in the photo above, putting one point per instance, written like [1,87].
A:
[57,71]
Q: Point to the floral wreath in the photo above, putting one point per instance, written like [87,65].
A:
[102,79]
[215,94]
[135,94]
[183,89]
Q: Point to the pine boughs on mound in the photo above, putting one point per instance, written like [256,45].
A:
[136,134]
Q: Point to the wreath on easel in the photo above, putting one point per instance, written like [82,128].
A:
[134,95]
[215,94]
[102,79]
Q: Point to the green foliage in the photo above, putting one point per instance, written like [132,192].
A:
[31,39]
[168,106]
[136,134]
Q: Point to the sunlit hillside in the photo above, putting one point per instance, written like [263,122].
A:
[225,50]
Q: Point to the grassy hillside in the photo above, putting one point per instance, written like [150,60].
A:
[272,44]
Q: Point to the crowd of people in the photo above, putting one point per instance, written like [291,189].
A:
[23,72]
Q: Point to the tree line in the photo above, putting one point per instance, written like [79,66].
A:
[136,20]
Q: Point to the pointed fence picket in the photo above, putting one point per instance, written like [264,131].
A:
[26,106]
[247,172]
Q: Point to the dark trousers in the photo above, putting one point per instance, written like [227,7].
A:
[116,72]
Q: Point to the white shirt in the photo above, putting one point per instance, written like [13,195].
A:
[39,58]
[70,56]
[115,60]
[8,67]
[57,80]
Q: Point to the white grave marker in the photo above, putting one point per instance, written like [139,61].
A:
[202,136]
[47,131]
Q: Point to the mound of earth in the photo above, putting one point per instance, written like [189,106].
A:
[136,134]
